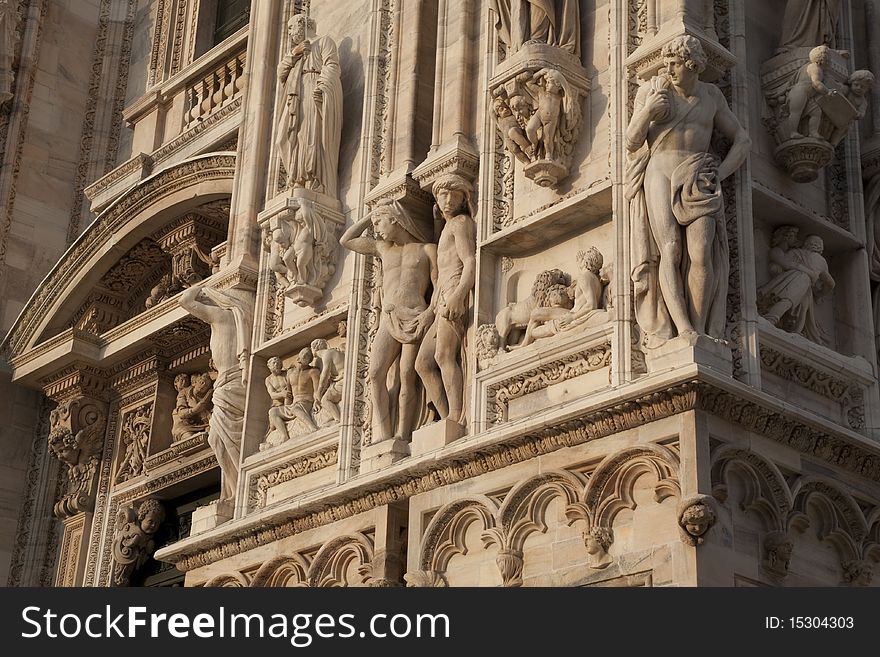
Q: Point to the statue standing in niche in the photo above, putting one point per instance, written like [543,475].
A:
[440,362]
[809,23]
[679,238]
[554,22]
[409,267]
[309,129]
[230,315]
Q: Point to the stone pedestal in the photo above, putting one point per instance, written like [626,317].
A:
[206,518]
[699,349]
[381,455]
[436,435]
[300,233]
[540,76]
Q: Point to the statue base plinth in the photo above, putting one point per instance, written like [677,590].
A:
[684,349]
[381,455]
[435,435]
[206,518]
[545,173]
[303,295]
[804,157]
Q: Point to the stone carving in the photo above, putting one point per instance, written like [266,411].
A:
[808,23]
[331,363]
[159,292]
[310,125]
[192,411]
[695,519]
[230,315]
[516,315]
[409,268]
[556,23]
[858,572]
[133,541]
[76,436]
[488,345]
[679,238]
[537,111]
[557,303]
[301,241]
[135,437]
[598,540]
[778,548]
[811,103]
[293,398]
[799,281]
[440,361]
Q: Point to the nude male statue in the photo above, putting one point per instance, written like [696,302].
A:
[676,207]
[438,360]
[409,267]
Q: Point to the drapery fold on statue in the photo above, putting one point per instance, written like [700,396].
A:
[225,428]
[696,194]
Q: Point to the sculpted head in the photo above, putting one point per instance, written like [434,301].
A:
[861,82]
[305,357]
[597,540]
[201,383]
[784,236]
[488,338]
[554,82]
[590,260]
[299,27]
[454,195]
[819,55]
[274,364]
[150,515]
[181,381]
[501,108]
[683,56]
[318,344]
[814,243]
[392,223]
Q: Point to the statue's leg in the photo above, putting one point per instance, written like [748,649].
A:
[667,235]
[408,398]
[429,372]
[448,346]
[384,351]
[701,275]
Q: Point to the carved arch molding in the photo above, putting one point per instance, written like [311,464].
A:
[136,215]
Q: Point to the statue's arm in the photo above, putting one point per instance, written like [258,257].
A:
[730,127]
[637,130]
[354,240]
[191,302]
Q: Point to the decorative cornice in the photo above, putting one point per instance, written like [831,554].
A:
[260,483]
[760,414]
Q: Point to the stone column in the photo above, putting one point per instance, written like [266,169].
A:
[254,140]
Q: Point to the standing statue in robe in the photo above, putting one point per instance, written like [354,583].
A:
[310,125]
[554,22]
[809,23]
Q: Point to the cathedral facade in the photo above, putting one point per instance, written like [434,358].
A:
[441,292]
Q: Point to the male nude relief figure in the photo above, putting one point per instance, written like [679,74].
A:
[409,269]
[679,248]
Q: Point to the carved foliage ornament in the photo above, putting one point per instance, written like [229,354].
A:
[76,435]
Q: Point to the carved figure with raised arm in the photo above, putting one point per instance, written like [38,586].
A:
[409,269]
[230,315]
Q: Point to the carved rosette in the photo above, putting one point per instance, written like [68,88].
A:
[300,238]
[536,98]
[76,434]
[801,155]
